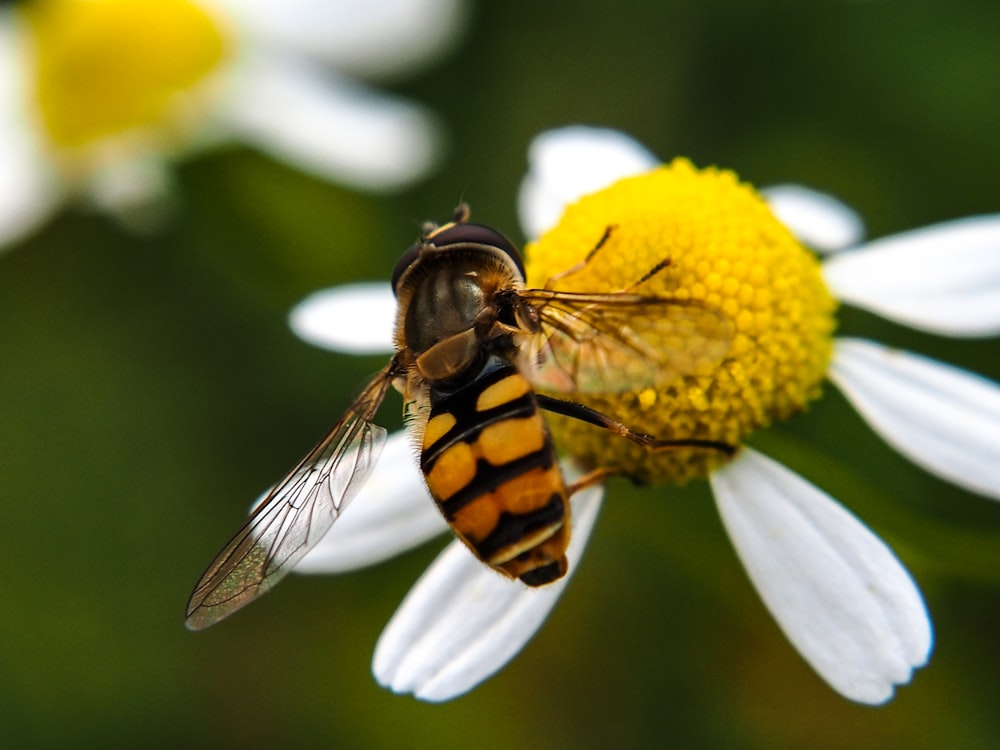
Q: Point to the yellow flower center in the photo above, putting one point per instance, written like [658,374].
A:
[725,249]
[104,67]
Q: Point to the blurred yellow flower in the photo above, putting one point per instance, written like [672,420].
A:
[97,96]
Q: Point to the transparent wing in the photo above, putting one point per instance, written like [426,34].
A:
[295,515]
[609,343]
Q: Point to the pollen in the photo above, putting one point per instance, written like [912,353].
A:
[105,67]
[698,235]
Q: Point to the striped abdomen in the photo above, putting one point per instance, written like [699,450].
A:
[490,464]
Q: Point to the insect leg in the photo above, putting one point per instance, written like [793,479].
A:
[648,275]
[583,263]
[594,417]
[576,268]
[589,479]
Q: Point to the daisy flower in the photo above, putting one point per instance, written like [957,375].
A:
[96,96]
[837,591]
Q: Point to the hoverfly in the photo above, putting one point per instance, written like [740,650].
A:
[471,345]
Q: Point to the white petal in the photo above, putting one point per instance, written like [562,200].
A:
[462,622]
[568,163]
[29,190]
[837,591]
[391,514]
[817,219]
[329,126]
[944,279]
[136,190]
[353,318]
[943,418]
[372,37]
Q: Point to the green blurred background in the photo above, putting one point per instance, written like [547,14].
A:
[151,389]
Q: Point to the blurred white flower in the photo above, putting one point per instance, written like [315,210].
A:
[98,96]
[838,592]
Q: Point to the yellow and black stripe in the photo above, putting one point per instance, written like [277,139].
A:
[490,464]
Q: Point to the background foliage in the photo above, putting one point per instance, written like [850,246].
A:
[151,389]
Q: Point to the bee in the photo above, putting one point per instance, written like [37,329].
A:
[472,344]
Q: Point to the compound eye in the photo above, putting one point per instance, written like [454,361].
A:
[477,234]
[405,261]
